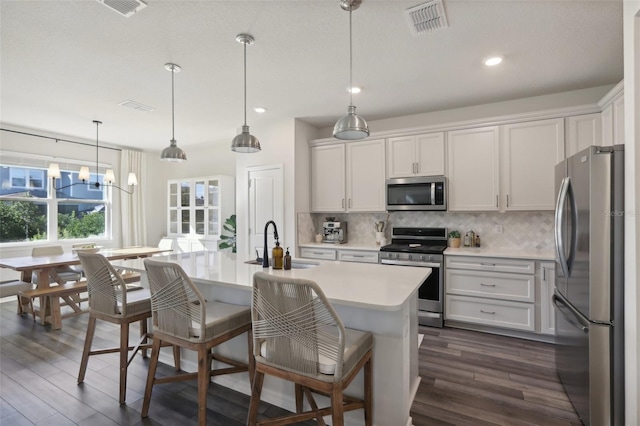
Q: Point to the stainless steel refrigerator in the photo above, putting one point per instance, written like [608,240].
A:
[589,295]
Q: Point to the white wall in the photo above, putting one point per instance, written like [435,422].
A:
[277,142]
[303,134]
[631,23]
[214,158]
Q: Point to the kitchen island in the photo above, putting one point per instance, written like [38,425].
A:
[378,298]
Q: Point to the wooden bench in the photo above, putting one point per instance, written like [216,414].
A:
[64,291]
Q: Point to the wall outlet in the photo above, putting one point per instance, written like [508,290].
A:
[497,229]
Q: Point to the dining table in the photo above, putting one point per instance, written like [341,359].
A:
[44,268]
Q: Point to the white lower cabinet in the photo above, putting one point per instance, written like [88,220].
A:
[547,275]
[318,253]
[343,255]
[496,292]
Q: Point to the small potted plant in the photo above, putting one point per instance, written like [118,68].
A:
[454,239]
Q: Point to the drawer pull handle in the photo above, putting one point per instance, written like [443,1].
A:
[357,255]
[487,285]
[488,264]
[488,312]
[318,253]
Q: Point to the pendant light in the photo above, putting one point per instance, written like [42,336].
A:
[245,141]
[173,153]
[350,126]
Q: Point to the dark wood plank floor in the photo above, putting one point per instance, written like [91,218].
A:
[468,378]
[471,378]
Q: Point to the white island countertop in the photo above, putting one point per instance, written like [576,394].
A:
[544,254]
[383,287]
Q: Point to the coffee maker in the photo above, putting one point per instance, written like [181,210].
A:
[334,232]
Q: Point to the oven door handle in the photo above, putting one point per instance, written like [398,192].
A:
[410,263]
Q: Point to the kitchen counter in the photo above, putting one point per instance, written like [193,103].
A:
[378,298]
[547,254]
[346,246]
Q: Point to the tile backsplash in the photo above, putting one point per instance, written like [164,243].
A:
[517,230]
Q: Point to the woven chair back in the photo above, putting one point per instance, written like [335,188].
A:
[298,325]
[107,291]
[177,306]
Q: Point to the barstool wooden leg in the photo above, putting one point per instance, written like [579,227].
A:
[151,376]
[337,407]
[368,392]
[299,398]
[124,355]
[91,328]
[144,333]
[204,376]
[251,361]
[176,357]
[258,378]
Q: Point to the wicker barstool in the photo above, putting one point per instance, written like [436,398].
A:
[110,301]
[299,337]
[182,317]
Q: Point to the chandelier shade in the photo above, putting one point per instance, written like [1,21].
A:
[173,153]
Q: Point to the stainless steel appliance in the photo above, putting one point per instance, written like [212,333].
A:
[589,295]
[334,232]
[422,247]
[417,193]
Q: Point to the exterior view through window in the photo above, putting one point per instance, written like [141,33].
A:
[27,201]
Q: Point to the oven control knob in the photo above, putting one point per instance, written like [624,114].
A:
[397,255]
[410,257]
[424,258]
[430,258]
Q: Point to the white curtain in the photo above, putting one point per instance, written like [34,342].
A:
[134,230]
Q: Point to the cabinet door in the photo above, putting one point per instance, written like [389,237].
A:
[583,131]
[328,178]
[607,126]
[429,151]
[529,154]
[401,157]
[473,169]
[365,176]
[547,285]
[172,225]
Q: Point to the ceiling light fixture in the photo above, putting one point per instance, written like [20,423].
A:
[245,141]
[109,176]
[173,153]
[260,110]
[350,126]
[354,90]
[493,61]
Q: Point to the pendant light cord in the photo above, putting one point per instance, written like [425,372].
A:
[173,117]
[350,58]
[97,150]
[245,82]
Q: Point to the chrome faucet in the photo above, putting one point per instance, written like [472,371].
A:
[265,255]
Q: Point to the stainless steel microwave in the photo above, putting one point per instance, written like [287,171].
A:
[417,193]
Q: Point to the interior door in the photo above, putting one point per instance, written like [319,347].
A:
[266,202]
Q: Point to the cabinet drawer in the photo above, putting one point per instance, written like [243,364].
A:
[516,287]
[496,313]
[358,256]
[494,264]
[318,253]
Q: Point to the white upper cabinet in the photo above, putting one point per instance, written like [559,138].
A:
[473,169]
[418,155]
[365,176]
[529,153]
[612,105]
[583,131]
[348,177]
[328,178]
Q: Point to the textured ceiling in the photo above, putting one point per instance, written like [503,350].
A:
[65,63]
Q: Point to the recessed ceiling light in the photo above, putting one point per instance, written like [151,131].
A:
[493,61]
[260,110]
[354,90]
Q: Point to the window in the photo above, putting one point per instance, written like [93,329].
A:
[31,210]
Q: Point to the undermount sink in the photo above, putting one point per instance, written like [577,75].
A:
[294,265]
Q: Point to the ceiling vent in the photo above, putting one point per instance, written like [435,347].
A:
[125,8]
[427,17]
[136,105]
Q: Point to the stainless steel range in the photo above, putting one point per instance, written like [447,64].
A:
[421,247]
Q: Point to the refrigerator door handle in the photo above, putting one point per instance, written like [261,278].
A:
[559,225]
[575,319]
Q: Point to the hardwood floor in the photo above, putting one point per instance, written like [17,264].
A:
[471,378]
[468,378]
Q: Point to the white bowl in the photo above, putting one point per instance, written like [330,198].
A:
[87,249]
